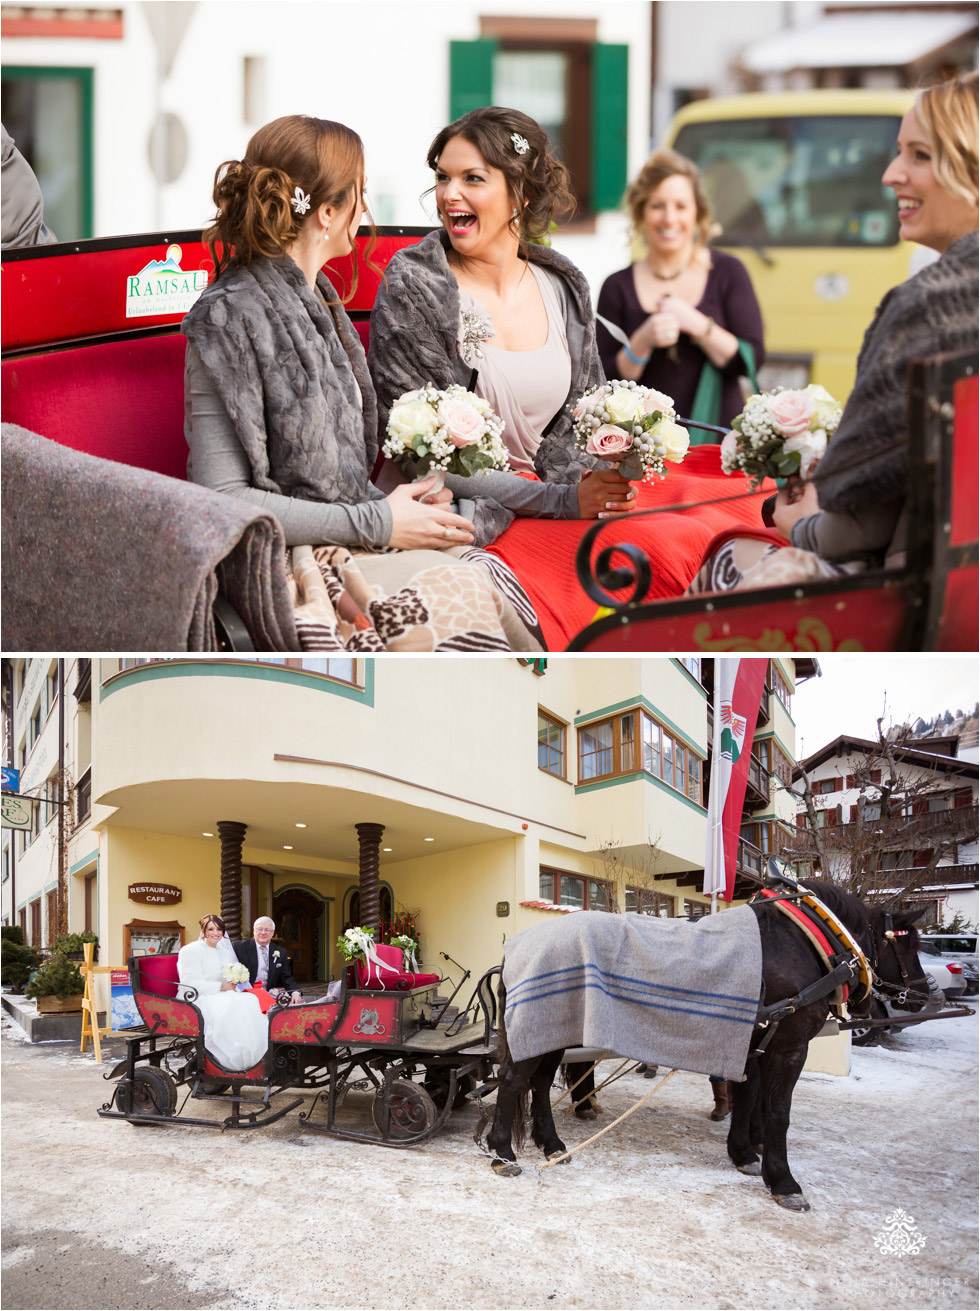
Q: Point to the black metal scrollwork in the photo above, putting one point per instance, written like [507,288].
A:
[600,579]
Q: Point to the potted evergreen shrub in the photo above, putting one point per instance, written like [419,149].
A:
[72,945]
[16,960]
[57,986]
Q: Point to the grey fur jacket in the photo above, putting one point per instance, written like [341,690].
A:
[414,339]
[867,461]
[291,372]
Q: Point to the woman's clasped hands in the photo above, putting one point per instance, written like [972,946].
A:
[431,526]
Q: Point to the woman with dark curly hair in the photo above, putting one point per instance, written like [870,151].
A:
[484,304]
[280,411]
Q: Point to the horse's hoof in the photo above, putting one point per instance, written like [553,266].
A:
[753,1167]
[561,1157]
[792,1201]
[584,1113]
[506,1169]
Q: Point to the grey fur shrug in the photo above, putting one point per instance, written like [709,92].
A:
[867,461]
[414,329]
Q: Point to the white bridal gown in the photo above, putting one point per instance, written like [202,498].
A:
[235,1031]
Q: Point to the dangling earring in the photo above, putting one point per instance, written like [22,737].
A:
[326,233]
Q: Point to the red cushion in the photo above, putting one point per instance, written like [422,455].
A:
[121,400]
[542,551]
[396,977]
[155,974]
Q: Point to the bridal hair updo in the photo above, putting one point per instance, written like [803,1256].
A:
[538,182]
[255,215]
[206,920]
[661,165]
[948,115]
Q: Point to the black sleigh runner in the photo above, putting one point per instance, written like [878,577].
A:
[740,995]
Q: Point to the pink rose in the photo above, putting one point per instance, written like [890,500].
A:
[463,423]
[656,400]
[588,401]
[609,441]
[791,411]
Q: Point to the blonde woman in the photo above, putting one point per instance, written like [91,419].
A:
[683,306]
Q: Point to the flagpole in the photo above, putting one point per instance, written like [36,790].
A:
[717,838]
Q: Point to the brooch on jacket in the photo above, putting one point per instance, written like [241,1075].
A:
[475,328]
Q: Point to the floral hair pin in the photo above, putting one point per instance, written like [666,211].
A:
[520,143]
[300,201]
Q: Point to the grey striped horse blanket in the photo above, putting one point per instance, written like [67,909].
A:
[668,992]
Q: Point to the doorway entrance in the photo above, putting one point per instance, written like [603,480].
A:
[298,917]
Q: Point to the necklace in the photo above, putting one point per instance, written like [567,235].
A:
[670,277]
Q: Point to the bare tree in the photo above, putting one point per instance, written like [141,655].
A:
[902,806]
[618,866]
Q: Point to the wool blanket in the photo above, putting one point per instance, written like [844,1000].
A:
[542,552]
[99,556]
[665,991]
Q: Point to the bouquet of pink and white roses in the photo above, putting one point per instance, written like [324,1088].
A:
[781,433]
[452,431]
[632,424]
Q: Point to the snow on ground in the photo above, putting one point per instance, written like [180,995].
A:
[652,1216]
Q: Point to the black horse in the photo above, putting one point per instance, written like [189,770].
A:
[761,1103]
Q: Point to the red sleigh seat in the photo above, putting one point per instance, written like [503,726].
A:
[395,976]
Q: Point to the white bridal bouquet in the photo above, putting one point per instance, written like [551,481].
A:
[632,424]
[236,973]
[409,947]
[781,433]
[452,430]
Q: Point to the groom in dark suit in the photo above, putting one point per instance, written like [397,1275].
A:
[264,962]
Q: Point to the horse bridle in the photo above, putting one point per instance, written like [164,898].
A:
[897,993]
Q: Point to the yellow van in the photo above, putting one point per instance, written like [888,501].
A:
[794,179]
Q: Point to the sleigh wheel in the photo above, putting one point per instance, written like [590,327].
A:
[409,1113]
[151,1092]
[437,1086]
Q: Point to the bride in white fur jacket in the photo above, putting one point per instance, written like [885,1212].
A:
[236,1032]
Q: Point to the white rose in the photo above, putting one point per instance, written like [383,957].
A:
[675,438]
[623,405]
[810,445]
[414,419]
[826,411]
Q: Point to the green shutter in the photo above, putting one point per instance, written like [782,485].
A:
[470,75]
[610,73]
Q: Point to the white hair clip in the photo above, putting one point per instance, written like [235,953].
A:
[520,144]
[300,201]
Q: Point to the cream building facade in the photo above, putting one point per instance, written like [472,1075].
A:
[506,789]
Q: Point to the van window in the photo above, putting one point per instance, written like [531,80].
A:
[806,181]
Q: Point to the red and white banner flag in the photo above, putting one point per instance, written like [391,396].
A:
[738,694]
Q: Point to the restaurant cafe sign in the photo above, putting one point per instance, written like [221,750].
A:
[155,894]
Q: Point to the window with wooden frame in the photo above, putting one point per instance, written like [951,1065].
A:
[782,687]
[635,741]
[766,834]
[555,71]
[51,915]
[551,745]
[694,910]
[341,668]
[564,889]
[641,901]
[823,787]
[35,909]
[775,759]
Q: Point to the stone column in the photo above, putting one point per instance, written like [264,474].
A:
[232,835]
[369,868]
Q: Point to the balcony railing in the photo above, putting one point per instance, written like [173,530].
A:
[757,785]
[750,860]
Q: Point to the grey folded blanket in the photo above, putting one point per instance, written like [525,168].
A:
[99,556]
[667,992]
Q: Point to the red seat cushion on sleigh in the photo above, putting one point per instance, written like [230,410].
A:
[393,973]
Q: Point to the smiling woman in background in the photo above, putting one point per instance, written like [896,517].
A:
[684,310]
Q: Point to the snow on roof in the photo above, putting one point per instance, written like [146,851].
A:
[857,40]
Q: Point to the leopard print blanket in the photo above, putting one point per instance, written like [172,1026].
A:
[462,599]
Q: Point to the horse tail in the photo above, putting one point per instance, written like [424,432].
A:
[518,1128]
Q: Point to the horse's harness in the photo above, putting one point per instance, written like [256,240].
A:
[848,974]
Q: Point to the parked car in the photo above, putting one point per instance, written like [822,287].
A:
[961,947]
[947,973]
